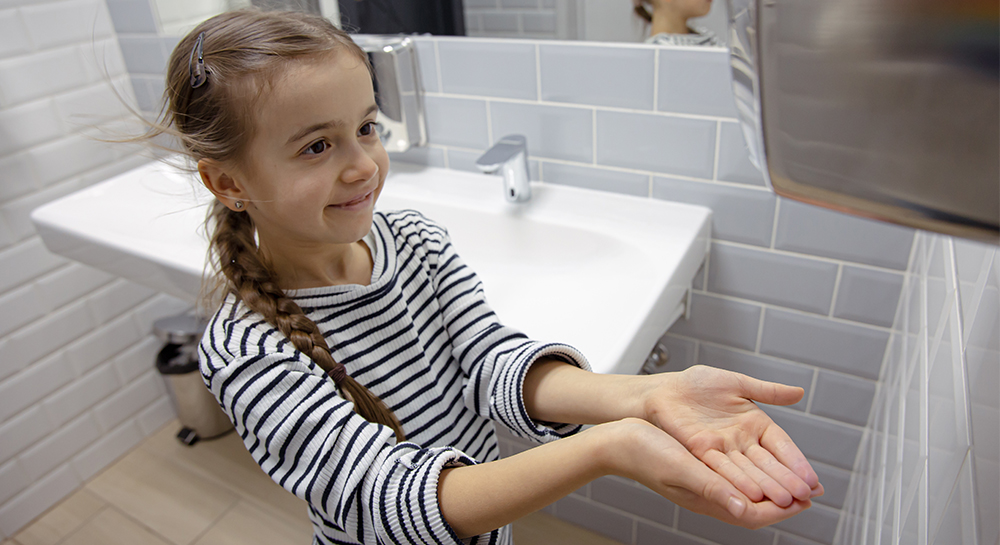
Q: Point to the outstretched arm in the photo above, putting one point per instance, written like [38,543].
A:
[476,499]
[709,411]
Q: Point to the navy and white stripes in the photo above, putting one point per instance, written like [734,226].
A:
[421,337]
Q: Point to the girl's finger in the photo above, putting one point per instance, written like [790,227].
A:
[781,474]
[724,466]
[772,393]
[772,489]
[781,446]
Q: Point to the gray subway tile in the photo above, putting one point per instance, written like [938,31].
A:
[595,517]
[597,75]
[457,122]
[868,296]
[738,214]
[596,178]
[734,157]
[720,320]
[143,54]
[466,160]
[479,3]
[823,342]
[519,3]
[769,277]
[819,439]
[835,483]
[555,132]
[818,523]
[432,157]
[669,145]
[428,64]
[647,534]
[792,539]
[759,367]
[130,16]
[695,82]
[500,22]
[680,351]
[632,498]
[813,230]
[539,23]
[493,69]
[720,532]
[843,398]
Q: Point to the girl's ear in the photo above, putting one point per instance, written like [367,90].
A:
[223,183]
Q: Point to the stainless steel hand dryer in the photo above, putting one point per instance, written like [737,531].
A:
[888,109]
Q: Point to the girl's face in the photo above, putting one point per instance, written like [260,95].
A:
[315,166]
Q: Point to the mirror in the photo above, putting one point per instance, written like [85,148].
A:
[586,20]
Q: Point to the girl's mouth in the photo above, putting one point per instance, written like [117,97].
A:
[356,204]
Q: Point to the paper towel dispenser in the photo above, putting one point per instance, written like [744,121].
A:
[888,109]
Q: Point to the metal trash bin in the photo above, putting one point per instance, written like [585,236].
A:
[197,409]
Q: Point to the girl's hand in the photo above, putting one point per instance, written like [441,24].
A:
[642,452]
[712,413]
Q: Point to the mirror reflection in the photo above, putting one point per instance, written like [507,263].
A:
[675,22]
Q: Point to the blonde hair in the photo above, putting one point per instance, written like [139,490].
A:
[241,53]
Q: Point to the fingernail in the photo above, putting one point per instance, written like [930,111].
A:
[736,507]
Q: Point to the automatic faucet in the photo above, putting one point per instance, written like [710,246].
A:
[510,156]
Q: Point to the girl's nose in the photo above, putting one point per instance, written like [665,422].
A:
[361,167]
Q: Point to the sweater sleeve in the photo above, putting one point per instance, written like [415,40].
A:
[309,440]
[495,358]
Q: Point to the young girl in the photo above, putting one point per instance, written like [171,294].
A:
[668,21]
[357,356]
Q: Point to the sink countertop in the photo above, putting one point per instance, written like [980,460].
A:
[604,272]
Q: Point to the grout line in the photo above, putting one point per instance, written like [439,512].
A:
[697,354]
[836,289]
[649,193]
[437,59]
[715,162]
[538,73]
[774,226]
[489,124]
[812,391]
[760,331]
[656,79]
[593,135]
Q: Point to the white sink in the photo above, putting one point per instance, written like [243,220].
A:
[606,273]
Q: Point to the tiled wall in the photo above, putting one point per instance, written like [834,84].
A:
[77,385]
[789,292]
[511,18]
[929,468]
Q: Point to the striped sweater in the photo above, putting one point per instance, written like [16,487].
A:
[421,337]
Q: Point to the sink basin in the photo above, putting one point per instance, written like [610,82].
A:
[606,273]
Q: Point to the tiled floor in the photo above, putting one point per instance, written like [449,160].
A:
[165,493]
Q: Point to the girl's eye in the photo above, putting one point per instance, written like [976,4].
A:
[316,147]
[367,129]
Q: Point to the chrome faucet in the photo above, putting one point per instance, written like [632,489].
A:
[510,156]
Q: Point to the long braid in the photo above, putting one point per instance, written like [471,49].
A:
[252,281]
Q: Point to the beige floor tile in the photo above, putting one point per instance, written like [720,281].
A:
[226,460]
[248,524]
[62,520]
[112,527]
[544,529]
[174,503]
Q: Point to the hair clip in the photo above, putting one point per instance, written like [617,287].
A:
[199,75]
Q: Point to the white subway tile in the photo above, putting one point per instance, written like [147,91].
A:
[138,359]
[6,236]
[116,298]
[13,35]
[32,384]
[102,60]
[8,366]
[70,283]
[18,211]
[28,124]
[107,449]
[130,400]
[17,176]
[54,331]
[60,446]
[40,74]
[21,431]
[34,501]
[20,307]
[12,480]
[161,306]
[51,24]
[111,170]
[103,343]
[69,156]
[26,261]
[83,393]
[90,105]
[154,417]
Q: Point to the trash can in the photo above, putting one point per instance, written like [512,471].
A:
[197,409]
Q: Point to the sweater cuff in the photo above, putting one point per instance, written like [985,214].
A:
[507,397]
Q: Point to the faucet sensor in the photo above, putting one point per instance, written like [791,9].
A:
[510,156]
